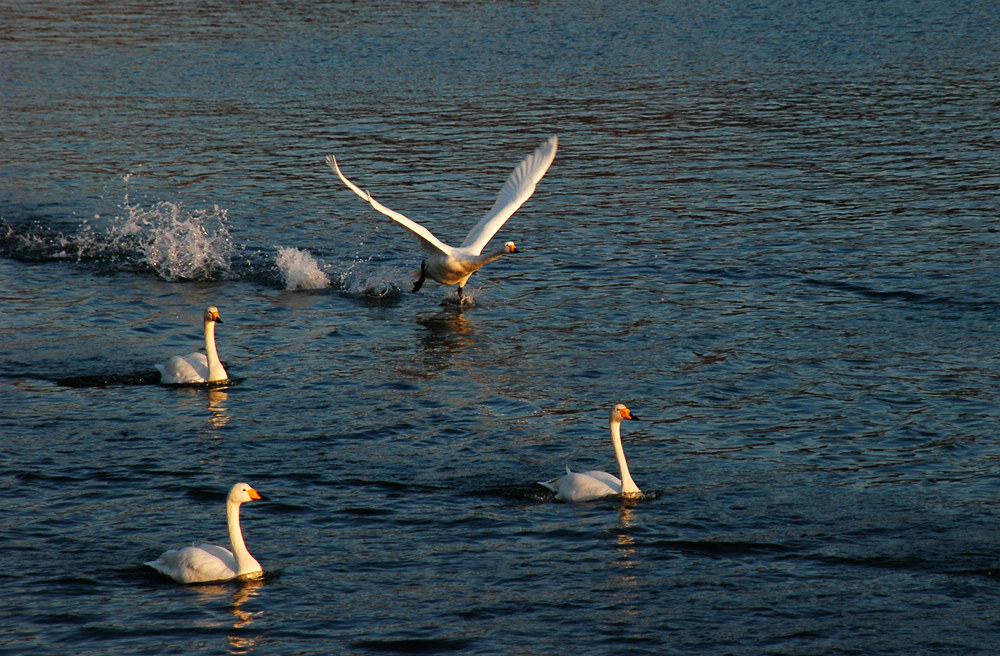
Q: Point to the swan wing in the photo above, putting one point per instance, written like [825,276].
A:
[201,564]
[554,483]
[576,487]
[180,369]
[610,480]
[428,241]
[518,188]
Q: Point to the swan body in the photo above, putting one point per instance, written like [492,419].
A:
[207,563]
[587,486]
[451,265]
[197,367]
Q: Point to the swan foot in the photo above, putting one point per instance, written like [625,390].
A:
[423,276]
[460,299]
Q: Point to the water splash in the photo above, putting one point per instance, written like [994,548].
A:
[178,243]
[168,239]
[300,270]
[35,242]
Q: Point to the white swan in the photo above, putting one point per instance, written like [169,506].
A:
[453,266]
[590,485]
[208,563]
[197,367]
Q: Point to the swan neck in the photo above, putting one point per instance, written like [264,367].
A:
[245,563]
[483,260]
[628,485]
[215,369]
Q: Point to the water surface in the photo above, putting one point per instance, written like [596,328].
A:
[769,230]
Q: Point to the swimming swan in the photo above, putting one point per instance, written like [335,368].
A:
[208,563]
[197,367]
[453,266]
[587,486]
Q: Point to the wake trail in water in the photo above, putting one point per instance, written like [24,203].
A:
[363,280]
[166,238]
[177,243]
[903,295]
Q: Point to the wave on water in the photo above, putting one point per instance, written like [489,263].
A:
[968,301]
[374,283]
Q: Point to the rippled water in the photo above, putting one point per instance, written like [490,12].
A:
[771,230]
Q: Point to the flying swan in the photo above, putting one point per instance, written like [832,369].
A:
[453,266]
[197,367]
[590,485]
[208,563]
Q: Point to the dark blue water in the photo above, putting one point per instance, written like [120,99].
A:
[769,229]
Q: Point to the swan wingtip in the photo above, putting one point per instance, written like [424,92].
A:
[549,485]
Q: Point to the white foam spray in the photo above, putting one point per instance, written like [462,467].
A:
[300,270]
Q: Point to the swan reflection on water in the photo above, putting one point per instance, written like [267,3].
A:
[217,407]
[449,328]
[626,578]
[241,640]
[448,321]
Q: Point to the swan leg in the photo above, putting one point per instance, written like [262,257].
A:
[460,294]
[420,281]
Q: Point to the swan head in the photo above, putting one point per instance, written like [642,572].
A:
[510,247]
[244,492]
[212,314]
[620,412]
